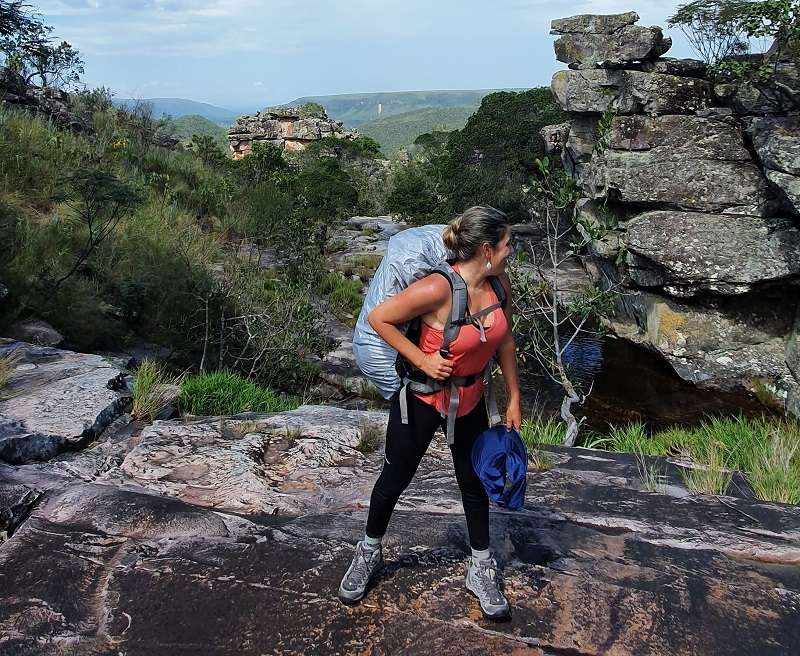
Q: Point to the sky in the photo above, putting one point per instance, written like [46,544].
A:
[248,54]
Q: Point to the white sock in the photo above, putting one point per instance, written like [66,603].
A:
[372,543]
[482,554]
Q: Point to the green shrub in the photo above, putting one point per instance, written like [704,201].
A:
[227,393]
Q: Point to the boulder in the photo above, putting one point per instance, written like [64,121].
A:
[686,162]
[776,140]
[672,66]
[630,92]
[580,143]
[55,401]
[591,41]
[283,127]
[554,137]
[689,253]
[747,98]
[716,344]
[36,331]
[593,23]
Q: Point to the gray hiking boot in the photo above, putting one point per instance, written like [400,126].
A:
[482,582]
[365,563]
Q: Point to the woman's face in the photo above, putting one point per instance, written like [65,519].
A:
[500,253]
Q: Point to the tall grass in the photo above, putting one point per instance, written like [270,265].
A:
[710,476]
[227,393]
[774,471]
[542,430]
[153,389]
[9,358]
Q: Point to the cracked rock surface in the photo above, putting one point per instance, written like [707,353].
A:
[594,564]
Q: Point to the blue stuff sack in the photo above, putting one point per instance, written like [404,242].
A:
[500,460]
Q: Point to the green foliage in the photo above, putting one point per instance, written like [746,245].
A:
[603,132]
[488,162]
[722,31]
[541,430]
[312,110]
[343,294]
[26,48]
[227,393]
[767,450]
[398,130]
[413,194]
[264,164]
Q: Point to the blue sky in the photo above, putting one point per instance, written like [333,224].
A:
[246,54]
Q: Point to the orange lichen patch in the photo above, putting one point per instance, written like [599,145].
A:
[664,323]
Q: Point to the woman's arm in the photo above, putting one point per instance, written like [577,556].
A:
[507,357]
[419,298]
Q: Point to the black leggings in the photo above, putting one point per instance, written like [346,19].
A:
[405,446]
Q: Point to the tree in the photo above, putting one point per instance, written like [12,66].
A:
[25,46]
[100,201]
[721,32]
[551,323]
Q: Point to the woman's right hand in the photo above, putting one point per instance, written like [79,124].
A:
[435,366]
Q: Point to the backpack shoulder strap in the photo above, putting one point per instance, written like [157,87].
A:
[459,306]
[499,290]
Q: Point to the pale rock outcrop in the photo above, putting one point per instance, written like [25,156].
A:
[285,127]
[776,140]
[55,401]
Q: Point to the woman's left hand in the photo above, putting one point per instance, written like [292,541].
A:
[513,415]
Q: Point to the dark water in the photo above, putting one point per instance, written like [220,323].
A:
[629,383]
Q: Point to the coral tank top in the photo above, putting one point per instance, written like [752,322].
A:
[469,356]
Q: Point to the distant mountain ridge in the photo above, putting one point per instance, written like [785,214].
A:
[393,132]
[177,107]
[354,109]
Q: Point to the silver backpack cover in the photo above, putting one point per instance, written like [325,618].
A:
[410,255]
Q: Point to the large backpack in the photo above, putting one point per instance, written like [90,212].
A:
[412,254]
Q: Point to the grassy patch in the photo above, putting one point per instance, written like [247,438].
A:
[227,393]
[370,434]
[344,296]
[153,389]
[649,472]
[774,471]
[8,362]
[765,449]
[540,430]
[709,475]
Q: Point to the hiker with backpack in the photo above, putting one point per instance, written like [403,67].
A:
[444,328]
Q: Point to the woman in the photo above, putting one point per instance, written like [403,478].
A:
[480,239]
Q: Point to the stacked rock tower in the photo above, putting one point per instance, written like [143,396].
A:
[691,200]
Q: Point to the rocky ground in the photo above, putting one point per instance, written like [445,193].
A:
[228,535]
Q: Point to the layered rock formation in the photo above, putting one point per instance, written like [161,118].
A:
[53,103]
[700,186]
[285,127]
